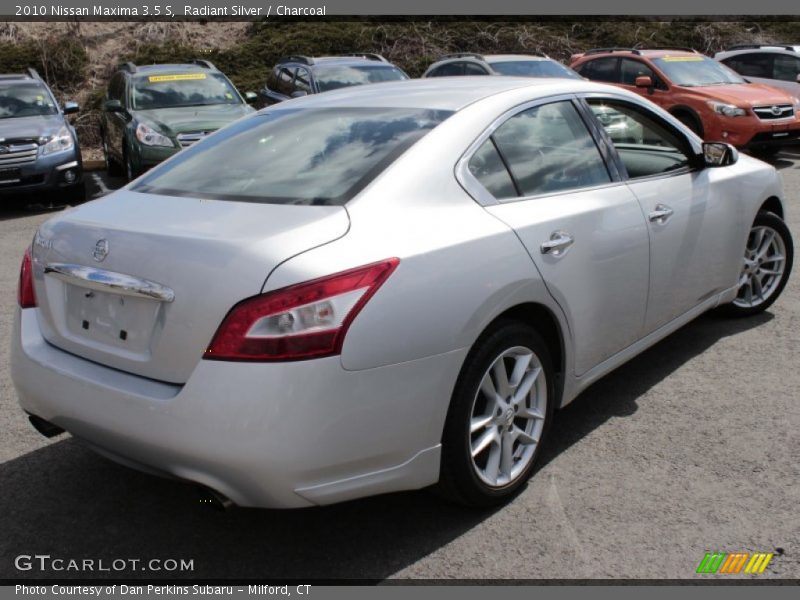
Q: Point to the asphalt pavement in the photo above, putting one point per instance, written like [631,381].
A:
[692,447]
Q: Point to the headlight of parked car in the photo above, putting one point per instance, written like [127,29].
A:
[150,137]
[727,110]
[59,142]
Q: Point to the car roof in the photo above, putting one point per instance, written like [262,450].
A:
[170,67]
[438,93]
[348,61]
[769,48]
[18,78]
[644,52]
[494,58]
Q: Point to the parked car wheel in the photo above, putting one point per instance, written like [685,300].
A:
[77,194]
[691,122]
[130,172]
[766,266]
[112,167]
[499,414]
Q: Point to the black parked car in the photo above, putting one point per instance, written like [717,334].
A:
[39,151]
[296,76]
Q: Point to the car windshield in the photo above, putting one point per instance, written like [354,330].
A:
[170,90]
[292,156]
[693,71]
[25,100]
[331,78]
[534,68]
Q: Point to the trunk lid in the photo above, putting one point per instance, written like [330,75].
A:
[199,258]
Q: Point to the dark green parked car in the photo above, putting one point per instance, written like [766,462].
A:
[153,111]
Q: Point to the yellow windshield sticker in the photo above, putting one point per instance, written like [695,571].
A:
[682,59]
[229,96]
[182,77]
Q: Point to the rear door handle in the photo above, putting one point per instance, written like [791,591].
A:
[661,214]
[558,243]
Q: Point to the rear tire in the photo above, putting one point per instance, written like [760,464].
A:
[499,415]
[766,266]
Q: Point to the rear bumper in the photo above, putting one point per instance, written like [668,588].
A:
[48,173]
[269,435]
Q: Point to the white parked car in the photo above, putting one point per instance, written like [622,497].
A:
[385,287]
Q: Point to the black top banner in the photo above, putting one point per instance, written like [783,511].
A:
[264,9]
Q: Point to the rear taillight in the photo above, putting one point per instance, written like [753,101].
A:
[26,296]
[307,320]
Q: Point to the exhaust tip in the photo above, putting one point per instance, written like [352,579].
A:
[46,428]
[215,500]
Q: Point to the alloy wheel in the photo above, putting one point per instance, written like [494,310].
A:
[762,268]
[507,417]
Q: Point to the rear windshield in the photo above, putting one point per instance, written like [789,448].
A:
[534,68]
[694,71]
[331,78]
[293,156]
[182,89]
[25,100]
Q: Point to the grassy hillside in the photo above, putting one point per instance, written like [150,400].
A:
[77,58]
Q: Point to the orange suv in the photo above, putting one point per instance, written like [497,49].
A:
[709,98]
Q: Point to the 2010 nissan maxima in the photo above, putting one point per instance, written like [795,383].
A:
[386,287]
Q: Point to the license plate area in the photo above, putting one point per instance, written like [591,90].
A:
[123,322]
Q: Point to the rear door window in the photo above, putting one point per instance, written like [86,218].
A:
[453,68]
[473,69]
[602,69]
[548,149]
[756,64]
[786,68]
[488,168]
[302,81]
[285,78]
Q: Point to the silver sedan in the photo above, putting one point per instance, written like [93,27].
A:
[387,287]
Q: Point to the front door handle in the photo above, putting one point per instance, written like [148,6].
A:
[661,214]
[558,243]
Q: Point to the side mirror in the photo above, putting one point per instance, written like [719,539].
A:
[644,81]
[70,108]
[112,106]
[298,94]
[250,97]
[719,154]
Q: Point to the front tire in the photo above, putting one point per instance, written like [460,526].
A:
[130,170]
[499,415]
[767,263]
[112,167]
[691,122]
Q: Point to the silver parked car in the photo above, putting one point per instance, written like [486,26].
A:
[385,287]
[777,65]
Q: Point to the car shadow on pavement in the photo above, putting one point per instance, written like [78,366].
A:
[65,501]
[617,394]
